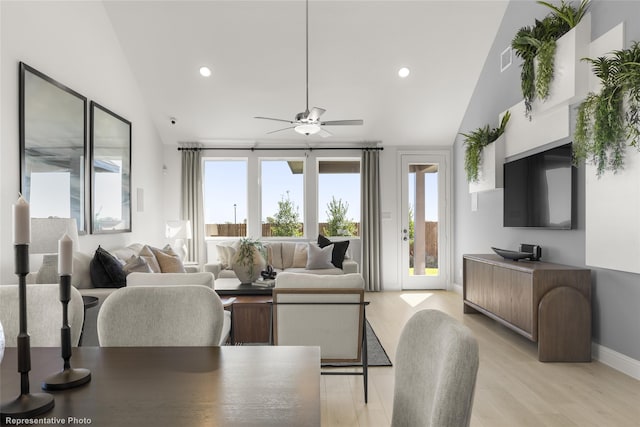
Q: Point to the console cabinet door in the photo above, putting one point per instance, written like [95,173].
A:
[478,282]
[521,286]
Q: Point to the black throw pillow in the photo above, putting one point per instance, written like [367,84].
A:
[106,271]
[339,249]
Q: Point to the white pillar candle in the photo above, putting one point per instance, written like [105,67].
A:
[65,256]
[21,222]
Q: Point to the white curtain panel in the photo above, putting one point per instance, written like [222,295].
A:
[192,201]
[370,214]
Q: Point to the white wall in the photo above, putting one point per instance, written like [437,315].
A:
[74,43]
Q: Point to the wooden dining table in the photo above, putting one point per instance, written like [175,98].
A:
[179,386]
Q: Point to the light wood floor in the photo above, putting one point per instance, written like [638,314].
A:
[513,388]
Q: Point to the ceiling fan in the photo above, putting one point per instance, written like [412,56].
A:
[308,122]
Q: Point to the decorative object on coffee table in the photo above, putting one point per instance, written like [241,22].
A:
[69,377]
[248,260]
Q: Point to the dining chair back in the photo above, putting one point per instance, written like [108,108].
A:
[161,316]
[435,374]
[326,311]
[44,314]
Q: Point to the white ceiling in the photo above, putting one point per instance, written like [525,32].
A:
[256,50]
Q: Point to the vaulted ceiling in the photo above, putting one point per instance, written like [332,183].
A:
[256,51]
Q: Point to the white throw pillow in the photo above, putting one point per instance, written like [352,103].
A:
[319,258]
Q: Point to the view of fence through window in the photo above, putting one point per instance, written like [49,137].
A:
[282,197]
[339,197]
[423,220]
[281,187]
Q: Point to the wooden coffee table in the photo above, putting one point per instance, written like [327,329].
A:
[251,310]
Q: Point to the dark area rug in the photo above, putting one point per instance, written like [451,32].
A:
[377,355]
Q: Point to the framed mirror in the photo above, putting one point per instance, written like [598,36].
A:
[110,171]
[52,147]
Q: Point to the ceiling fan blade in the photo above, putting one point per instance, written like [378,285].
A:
[323,133]
[279,130]
[315,113]
[277,120]
[343,123]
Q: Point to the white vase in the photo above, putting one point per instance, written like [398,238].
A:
[248,271]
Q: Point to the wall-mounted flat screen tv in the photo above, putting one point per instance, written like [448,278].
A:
[538,190]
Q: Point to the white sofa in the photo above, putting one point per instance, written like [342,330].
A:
[81,279]
[290,256]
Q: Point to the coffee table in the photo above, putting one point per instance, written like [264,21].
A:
[251,310]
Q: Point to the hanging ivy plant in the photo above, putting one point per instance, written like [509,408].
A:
[475,141]
[607,120]
[537,44]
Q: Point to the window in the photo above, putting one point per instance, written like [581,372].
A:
[225,197]
[339,197]
[282,186]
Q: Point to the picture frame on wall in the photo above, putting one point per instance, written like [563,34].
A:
[110,136]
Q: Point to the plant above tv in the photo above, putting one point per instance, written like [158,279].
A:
[475,141]
[537,44]
[608,119]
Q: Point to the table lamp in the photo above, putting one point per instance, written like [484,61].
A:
[45,233]
[179,230]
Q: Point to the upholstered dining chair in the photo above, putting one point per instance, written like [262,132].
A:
[167,279]
[435,374]
[44,314]
[326,311]
[162,316]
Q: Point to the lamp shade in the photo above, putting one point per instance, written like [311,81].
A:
[45,233]
[178,229]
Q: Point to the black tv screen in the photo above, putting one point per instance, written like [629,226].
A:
[538,190]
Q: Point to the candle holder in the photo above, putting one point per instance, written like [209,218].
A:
[27,404]
[68,377]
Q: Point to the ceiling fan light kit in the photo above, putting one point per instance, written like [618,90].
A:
[307,128]
[308,122]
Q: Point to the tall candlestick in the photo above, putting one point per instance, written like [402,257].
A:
[65,256]
[21,222]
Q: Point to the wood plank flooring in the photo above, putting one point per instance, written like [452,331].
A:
[513,387]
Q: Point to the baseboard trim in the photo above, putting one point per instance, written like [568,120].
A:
[456,288]
[615,360]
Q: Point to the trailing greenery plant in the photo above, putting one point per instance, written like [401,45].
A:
[475,141]
[537,44]
[607,120]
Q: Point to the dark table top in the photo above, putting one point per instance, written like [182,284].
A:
[180,386]
[233,287]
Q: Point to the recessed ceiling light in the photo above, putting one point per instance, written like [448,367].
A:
[403,72]
[205,71]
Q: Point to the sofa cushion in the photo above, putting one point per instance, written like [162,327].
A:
[319,258]
[226,251]
[81,277]
[168,260]
[299,280]
[106,271]
[136,264]
[147,253]
[326,271]
[275,254]
[339,249]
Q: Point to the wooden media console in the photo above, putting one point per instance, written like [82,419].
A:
[548,303]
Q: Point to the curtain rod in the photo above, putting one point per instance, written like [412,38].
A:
[278,149]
